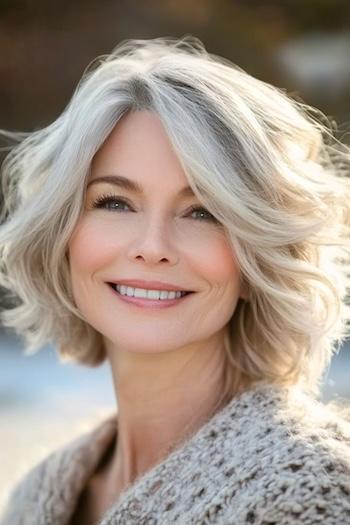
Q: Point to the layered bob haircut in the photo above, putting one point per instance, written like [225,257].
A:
[265,165]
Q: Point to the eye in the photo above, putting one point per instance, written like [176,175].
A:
[207,215]
[114,203]
[110,202]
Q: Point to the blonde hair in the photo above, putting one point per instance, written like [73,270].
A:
[262,163]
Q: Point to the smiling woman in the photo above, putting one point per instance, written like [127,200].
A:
[190,224]
[153,234]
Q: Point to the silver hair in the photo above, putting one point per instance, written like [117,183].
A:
[263,164]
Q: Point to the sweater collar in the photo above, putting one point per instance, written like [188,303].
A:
[188,465]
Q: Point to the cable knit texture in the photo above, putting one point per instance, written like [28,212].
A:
[272,455]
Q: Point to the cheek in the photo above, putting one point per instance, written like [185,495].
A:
[217,262]
[90,248]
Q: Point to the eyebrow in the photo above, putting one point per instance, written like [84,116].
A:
[130,185]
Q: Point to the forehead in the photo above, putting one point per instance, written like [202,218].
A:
[139,153]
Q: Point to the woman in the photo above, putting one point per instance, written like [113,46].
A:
[189,224]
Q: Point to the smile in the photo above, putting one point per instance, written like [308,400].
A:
[148,294]
[150,298]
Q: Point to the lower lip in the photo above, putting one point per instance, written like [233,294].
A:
[149,303]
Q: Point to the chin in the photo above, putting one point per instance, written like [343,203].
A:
[142,346]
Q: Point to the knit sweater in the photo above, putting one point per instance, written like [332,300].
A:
[272,455]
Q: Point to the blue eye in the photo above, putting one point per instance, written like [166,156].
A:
[200,209]
[114,203]
[110,202]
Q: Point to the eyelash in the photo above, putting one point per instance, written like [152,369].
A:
[102,201]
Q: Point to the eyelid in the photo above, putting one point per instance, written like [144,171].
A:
[105,197]
[110,195]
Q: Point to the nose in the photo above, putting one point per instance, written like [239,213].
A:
[153,244]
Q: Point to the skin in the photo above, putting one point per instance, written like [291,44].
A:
[167,364]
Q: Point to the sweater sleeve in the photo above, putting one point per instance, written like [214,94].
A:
[48,492]
[308,499]
[309,486]
[23,497]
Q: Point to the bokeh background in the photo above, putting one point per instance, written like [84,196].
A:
[300,46]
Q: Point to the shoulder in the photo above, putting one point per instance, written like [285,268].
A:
[292,416]
[297,452]
[52,483]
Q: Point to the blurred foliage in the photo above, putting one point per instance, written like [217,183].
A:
[45,46]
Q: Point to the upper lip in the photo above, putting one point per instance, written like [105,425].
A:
[149,285]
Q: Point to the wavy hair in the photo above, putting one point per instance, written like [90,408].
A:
[268,167]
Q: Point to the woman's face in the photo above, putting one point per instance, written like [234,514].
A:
[151,235]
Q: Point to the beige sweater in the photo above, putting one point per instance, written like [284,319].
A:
[271,456]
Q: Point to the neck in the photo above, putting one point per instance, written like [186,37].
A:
[162,399]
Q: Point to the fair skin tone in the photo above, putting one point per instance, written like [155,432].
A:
[167,363]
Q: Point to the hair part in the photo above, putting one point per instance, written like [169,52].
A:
[264,165]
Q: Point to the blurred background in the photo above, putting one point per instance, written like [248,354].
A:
[300,46]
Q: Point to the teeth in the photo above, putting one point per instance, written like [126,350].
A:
[151,294]
[148,294]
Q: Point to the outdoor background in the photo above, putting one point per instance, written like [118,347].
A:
[300,46]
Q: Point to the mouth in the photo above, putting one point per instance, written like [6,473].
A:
[151,295]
